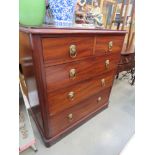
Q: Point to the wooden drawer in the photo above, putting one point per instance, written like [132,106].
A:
[70,116]
[108,44]
[68,97]
[59,76]
[64,49]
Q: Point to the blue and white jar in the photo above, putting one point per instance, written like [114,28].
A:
[63,12]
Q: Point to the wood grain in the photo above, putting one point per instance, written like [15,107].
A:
[71,30]
[57,49]
[46,64]
[59,100]
[61,121]
[27,64]
[102,43]
[58,76]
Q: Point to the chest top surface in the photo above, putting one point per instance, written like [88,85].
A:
[70,30]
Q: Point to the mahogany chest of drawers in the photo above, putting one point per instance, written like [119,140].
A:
[68,74]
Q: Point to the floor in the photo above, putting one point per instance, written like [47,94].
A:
[105,134]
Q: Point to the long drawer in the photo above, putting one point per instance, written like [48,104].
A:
[60,76]
[70,116]
[68,97]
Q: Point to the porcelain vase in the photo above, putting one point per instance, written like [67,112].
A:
[63,12]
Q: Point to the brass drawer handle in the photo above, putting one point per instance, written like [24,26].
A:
[99,99]
[71,95]
[110,45]
[107,62]
[102,82]
[72,51]
[72,73]
[70,116]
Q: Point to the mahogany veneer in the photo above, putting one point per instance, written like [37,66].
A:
[69,75]
[60,47]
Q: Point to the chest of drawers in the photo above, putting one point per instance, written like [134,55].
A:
[68,74]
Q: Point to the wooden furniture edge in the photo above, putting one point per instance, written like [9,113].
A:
[40,82]
[51,141]
[69,31]
[36,34]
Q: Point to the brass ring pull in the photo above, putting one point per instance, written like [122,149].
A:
[72,51]
[107,62]
[110,45]
[70,116]
[71,95]
[99,99]
[102,82]
[72,73]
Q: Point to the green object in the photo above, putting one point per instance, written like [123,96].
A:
[31,12]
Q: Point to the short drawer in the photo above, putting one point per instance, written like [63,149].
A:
[68,97]
[60,76]
[108,44]
[64,49]
[69,117]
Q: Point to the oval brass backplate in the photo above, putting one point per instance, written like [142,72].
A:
[110,45]
[72,73]
[102,82]
[70,116]
[99,99]
[71,95]
[72,51]
[107,62]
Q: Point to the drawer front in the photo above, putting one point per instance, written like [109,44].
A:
[65,49]
[68,97]
[64,75]
[104,64]
[70,116]
[108,44]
